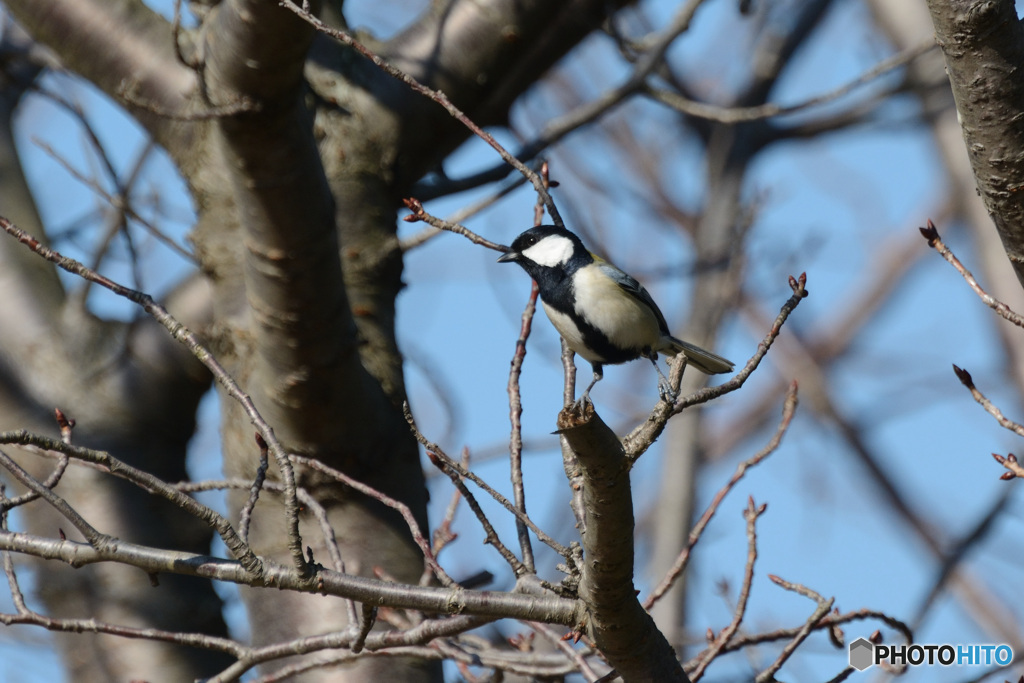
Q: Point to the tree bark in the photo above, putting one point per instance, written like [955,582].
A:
[296,150]
[983,42]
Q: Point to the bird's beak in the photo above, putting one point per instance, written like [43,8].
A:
[508,257]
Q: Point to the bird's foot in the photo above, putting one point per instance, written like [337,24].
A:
[665,390]
[582,402]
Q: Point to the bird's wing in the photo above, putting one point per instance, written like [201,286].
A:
[630,285]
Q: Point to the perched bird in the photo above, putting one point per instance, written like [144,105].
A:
[603,314]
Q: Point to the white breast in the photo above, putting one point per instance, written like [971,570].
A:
[572,335]
[623,318]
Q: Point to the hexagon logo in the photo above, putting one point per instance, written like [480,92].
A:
[862,654]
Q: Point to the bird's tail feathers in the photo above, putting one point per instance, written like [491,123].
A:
[705,361]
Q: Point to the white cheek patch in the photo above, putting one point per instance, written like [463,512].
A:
[550,251]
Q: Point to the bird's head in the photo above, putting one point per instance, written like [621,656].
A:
[547,246]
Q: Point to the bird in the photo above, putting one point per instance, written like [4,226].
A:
[603,314]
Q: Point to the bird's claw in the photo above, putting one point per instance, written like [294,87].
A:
[665,391]
[582,402]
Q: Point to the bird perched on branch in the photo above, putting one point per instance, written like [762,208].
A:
[603,314]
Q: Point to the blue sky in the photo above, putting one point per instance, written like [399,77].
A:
[825,206]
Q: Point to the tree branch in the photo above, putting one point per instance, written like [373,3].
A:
[983,42]
[114,44]
[619,625]
[550,609]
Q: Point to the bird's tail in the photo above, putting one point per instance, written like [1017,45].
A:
[705,361]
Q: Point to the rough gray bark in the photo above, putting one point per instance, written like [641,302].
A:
[295,149]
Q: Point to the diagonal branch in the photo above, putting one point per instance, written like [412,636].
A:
[203,355]
[114,44]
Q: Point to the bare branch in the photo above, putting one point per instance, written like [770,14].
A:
[820,611]
[679,566]
[419,214]
[750,514]
[763,111]
[548,608]
[114,43]
[191,341]
[621,628]
[462,472]
[931,233]
[401,508]
[515,415]
[490,535]
[437,96]
[641,438]
[993,410]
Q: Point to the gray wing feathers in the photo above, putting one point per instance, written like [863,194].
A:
[705,361]
[634,288]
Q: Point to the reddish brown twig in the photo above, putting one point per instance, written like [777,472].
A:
[801,635]
[679,566]
[420,214]
[931,233]
[1009,461]
[750,514]
[515,413]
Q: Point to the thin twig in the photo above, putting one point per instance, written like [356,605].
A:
[147,482]
[367,619]
[419,214]
[679,566]
[750,514]
[185,336]
[65,424]
[559,642]
[309,503]
[465,473]
[17,597]
[515,410]
[931,233]
[730,115]
[437,96]
[490,535]
[96,539]
[115,201]
[820,611]
[245,516]
[390,502]
[641,438]
[830,622]
[459,216]
[1005,422]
